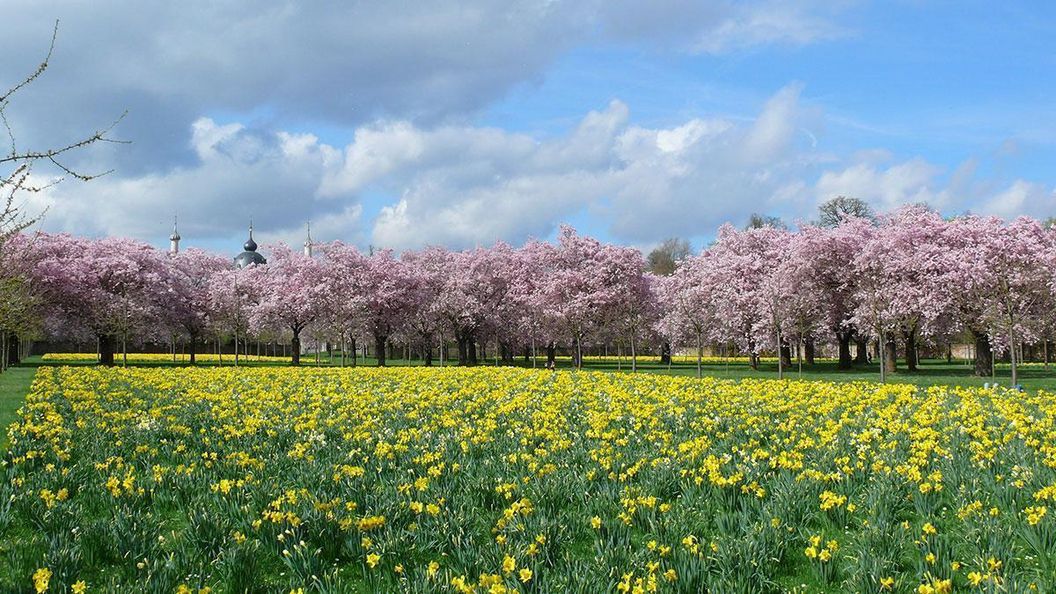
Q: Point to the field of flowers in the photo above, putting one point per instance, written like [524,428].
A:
[502,480]
[161,357]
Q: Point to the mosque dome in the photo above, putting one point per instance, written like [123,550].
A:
[250,255]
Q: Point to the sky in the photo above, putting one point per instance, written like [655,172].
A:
[405,124]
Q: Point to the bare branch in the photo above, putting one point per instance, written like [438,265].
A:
[7,126]
[97,136]
[50,154]
[13,218]
[40,69]
[80,176]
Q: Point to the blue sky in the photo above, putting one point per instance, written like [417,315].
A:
[463,125]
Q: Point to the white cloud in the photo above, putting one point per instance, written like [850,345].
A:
[462,185]
[640,182]
[907,182]
[776,21]
[772,131]
[240,174]
[341,64]
[1022,197]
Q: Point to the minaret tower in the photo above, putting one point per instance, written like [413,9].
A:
[174,239]
[308,241]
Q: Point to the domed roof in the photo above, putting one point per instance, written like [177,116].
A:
[247,258]
[250,255]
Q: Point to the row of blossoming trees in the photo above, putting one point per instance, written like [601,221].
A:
[899,281]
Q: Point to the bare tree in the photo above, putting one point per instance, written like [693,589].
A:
[662,261]
[759,221]
[665,258]
[14,184]
[22,160]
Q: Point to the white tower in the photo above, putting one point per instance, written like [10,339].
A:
[174,239]
[308,241]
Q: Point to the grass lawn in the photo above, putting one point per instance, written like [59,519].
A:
[930,372]
[14,384]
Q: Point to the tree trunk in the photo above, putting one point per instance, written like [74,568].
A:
[700,354]
[911,349]
[882,356]
[984,354]
[799,355]
[665,353]
[295,347]
[13,357]
[780,356]
[427,353]
[192,349]
[844,340]
[890,355]
[1014,361]
[471,346]
[785,353]
[551,354]
[379,347]
[862,356]
[106,349]
[463,349]
[808,350]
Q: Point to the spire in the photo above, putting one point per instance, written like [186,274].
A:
[250,245]
[308,241]
[174,239]
[250,257]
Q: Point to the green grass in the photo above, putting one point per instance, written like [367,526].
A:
[930,373]
[14,385]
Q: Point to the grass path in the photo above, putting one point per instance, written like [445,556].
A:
[14,385]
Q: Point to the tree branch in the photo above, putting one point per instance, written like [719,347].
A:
[40,69]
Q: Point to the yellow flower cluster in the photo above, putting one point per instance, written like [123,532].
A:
[513,480]
[161,357]
[822,554]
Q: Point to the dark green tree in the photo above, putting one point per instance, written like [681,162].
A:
[833,212]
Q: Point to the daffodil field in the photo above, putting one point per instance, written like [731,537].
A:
[161,358]
[275,479]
